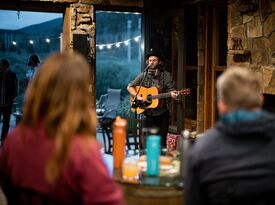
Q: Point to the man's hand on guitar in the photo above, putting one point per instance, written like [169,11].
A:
[149,97]
[140,104]
[139,98]
[174,94]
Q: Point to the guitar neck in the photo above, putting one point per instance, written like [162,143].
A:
[162,95]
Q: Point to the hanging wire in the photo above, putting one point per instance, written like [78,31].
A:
[18,14]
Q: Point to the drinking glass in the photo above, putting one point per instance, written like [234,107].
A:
[130,170]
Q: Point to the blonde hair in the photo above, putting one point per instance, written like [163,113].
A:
[239,88]
[58,96]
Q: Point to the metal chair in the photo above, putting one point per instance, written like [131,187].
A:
[109,114]
[100,105]
[133,133]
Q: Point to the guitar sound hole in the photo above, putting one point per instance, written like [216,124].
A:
[146,104]
[149,98]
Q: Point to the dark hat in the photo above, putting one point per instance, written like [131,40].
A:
[153,52]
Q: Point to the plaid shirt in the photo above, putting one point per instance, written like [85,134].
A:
[3,101]
[8,88]
[161,79]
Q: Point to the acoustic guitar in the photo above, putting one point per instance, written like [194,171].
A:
[150,98]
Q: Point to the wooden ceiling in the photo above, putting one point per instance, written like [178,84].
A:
[37,6]
[59,5]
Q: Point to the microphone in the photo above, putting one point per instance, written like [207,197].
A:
[147,68]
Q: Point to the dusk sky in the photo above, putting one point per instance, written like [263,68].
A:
[9,19]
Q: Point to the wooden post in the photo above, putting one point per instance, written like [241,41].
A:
[67,33]
[201,67]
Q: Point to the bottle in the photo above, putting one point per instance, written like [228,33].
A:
[119,137]
[184,148]
[153,154]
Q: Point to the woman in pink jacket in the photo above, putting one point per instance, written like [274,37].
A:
[52,157]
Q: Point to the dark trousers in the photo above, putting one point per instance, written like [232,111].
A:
[161,122]
[6,113]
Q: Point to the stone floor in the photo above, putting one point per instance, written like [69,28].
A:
[99,137]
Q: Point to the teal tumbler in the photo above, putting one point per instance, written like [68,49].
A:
[153,154]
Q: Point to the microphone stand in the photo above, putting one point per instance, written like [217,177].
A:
[135,104]
[145,72]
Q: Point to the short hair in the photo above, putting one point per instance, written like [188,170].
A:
[240,88]
[5,62]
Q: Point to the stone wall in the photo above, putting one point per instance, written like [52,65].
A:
[251,38]
[82,22]
[79,19]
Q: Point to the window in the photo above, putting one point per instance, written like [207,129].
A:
[118,53]
[25,33]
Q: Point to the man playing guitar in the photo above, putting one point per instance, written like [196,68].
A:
[154,76]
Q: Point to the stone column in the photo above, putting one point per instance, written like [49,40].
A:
[83,22]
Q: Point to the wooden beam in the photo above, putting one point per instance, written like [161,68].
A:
[201,69]
[67,33]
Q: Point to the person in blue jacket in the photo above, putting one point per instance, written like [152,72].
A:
[234,163]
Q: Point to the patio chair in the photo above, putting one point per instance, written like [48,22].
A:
[133,133]
[109,113]
[100,104]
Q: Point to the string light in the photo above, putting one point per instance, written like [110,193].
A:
[100,46]
[137,38]
[118,44]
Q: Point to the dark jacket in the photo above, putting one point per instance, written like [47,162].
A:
[233,163]
[162,81]
[11,85]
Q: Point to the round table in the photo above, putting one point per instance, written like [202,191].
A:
[152,190]
[149,190]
